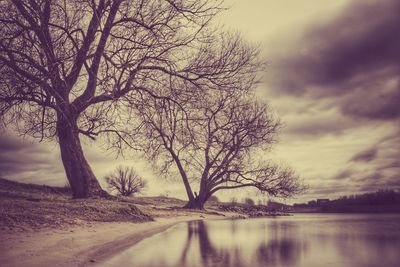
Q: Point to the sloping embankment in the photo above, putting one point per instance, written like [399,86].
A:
[29,205]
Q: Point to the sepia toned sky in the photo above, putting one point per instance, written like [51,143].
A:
[333,77]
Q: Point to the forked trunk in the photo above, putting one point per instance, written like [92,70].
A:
[81,178]
[197,202]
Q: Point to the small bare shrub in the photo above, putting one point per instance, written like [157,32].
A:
[126,181]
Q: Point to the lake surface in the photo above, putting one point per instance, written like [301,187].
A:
[301,240]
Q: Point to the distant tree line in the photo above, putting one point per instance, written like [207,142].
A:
[378,202]
[382,197]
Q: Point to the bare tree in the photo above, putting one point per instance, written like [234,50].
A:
[126,181]
[67,68]
[214,141]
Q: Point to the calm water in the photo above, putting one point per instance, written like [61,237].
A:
[306,240]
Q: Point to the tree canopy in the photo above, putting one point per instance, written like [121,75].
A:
[214,140]
[68,68]
[153,75]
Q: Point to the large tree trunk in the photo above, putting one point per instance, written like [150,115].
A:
[197,202]
[81,178]
[182,172]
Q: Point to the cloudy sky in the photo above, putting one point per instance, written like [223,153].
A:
[333,78]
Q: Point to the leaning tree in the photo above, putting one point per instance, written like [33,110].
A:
[215,141]
[67,68]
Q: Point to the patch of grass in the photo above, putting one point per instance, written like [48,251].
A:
[45,206]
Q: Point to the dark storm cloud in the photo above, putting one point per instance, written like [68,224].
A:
[27,161]
[365,156]
[394,181]
[387,154]
[392,165]
[371,178]
[343,174]
[355,58]
[353,181]
[377,99]
[372,169]
[316,123]
[8,144]
[375,168]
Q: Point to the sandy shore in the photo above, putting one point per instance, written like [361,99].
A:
[80,245]
[41,226]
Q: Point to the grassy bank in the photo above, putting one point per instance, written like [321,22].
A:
[36,206]
[24,206]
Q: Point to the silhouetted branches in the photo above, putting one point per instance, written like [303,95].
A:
[126,181]
[214,138]
[71,67]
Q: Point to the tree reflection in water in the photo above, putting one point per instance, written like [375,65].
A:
[351,240]
[197,233]
[280,252]
[269,253]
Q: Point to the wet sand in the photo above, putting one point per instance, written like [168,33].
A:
[83,245]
